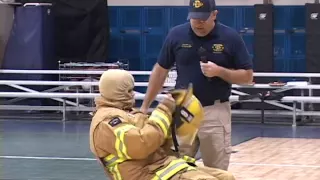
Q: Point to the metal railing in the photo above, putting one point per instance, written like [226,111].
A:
[62,97]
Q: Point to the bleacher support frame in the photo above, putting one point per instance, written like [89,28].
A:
[76,106]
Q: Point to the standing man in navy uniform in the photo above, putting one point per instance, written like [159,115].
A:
[212,56]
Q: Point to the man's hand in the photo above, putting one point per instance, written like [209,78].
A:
[169,97]
[157,78]
[170,102]
[240,76]
[144,110]
[210,69]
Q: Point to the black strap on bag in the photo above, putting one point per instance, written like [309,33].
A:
[176,116]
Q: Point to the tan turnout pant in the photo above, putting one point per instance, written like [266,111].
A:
[214,137]
[204,173]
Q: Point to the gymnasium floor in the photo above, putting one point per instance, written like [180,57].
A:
[34,150]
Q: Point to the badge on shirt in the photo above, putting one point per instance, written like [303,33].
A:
[186,45]
[217,48]
[115,121]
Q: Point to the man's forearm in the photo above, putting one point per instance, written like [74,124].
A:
[240,76]
[156,81]
[153,89]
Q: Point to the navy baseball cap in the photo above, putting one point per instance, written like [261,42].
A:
[201,9]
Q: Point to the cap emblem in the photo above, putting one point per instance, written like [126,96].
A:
[197,4]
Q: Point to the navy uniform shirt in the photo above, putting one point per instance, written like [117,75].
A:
[223,46]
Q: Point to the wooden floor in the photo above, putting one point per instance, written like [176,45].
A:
[277,159]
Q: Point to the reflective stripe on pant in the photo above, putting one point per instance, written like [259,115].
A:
[172,169]
[111,162]
[204,173]
[193,175]
[189,159]
[214,137]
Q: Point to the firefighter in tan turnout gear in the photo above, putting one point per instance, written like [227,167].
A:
[135,146]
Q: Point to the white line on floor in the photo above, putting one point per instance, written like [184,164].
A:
[265,164]
[47,158]
[278,165]
[92,159]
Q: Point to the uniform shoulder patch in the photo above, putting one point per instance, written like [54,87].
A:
[115,121]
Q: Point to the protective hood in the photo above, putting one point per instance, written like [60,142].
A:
[116,90]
